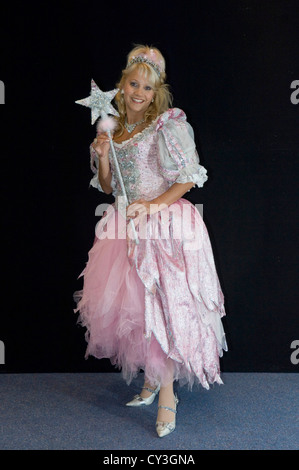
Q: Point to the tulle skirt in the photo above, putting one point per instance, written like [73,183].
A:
[113,307]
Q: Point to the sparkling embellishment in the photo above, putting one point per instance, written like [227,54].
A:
[99,101]
[140,59]
[130,172]
[131,127]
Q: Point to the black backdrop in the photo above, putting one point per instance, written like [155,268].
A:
[230,65]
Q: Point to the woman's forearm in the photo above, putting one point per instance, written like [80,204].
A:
[142,207]
[175,192]
[104,175]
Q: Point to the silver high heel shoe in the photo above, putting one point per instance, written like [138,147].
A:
[162,427]
[138,400]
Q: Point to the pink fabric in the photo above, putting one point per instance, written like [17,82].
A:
[138,307]
[112,309]
[155,306]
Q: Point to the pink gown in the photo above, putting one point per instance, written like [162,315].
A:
[157,305]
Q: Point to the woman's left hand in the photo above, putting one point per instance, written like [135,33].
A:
[138,209]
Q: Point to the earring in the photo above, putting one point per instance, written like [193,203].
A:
[122,92]
[153,100]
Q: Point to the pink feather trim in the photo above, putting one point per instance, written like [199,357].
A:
[107,124]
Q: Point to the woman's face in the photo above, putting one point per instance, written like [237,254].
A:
[138,94]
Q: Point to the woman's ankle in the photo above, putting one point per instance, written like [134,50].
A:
[146,389]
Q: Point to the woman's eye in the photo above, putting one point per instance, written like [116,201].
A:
[133,84]
[148,88]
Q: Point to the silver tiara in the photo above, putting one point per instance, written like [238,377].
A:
[139,59]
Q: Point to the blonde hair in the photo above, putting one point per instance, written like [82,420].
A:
[162,97]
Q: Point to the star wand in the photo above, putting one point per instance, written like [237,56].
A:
[100,104]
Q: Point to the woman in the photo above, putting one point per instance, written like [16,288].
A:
[154,305]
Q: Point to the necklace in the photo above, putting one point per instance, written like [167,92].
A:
[131,127]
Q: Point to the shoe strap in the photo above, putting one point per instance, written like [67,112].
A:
[151,390]
[167,408]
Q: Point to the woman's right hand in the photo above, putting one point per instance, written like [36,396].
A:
[101,144]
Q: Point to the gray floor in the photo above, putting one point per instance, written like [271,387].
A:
[86,411]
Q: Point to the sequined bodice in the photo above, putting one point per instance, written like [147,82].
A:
[140,167]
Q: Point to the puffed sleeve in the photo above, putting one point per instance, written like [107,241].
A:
[94,165]
[179,161]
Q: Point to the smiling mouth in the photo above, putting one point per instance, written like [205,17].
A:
[136,100]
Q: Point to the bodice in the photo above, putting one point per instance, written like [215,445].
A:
[152,160]
[140,167]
